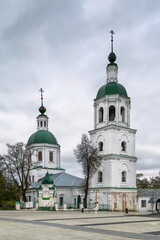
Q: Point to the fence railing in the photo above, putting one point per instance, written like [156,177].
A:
[71,205]
[90,206]
[100,206]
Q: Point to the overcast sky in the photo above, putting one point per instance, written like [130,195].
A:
[62,46]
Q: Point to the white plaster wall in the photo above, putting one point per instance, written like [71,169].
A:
[122,199]
[45,163]
[69,194]
[149,206]
[112,139]
[112,170]
[46,148]
[112,73]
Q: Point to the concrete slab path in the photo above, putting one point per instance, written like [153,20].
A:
[34,225]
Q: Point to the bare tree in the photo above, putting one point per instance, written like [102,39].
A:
[154,182]
[87,155]
[141,181]
[17,165]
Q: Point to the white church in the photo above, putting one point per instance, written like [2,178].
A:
[113,186]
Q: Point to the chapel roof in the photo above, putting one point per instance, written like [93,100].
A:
[61,180]
[148,192]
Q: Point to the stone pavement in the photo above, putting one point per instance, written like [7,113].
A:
[35,225]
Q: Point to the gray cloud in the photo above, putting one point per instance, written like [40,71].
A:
[63,47]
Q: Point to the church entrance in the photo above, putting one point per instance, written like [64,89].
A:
[61,201]
[78,201]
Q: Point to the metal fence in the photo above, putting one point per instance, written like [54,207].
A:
[71,206]
[103,207]
[22,205]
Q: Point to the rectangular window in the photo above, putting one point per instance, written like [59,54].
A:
[30,198]
[51,156]
[60,201]
[100,176]
[29,178]
[40,156]
[143,203]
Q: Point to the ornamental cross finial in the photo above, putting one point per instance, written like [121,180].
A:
[112,40]
[41,90]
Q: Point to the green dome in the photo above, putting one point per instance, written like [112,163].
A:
[47,179]
[110,89]
[112,57]
[42,136]
[42,110]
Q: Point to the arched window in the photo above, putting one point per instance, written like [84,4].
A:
[100,146]
[41,123]
[51,156]
[101,114]
[111,113]
[44,123]
[124,176]
[100,176]
[123,114]
[40,156]
[123,146]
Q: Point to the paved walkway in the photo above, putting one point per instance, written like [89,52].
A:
[32,225]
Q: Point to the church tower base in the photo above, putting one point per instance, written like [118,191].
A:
[113,200]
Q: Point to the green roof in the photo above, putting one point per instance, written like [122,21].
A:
[112,88]
[47,179]
[42,136]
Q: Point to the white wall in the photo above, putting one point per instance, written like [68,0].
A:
[149,206]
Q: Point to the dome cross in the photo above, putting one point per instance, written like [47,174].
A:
[41,90]
[112,40]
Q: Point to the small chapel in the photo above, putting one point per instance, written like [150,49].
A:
[114,184]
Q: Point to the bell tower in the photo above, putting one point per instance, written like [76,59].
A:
[116,178]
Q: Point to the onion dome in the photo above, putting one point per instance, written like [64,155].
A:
[111,88]
[47,179]
[112,57]
[42,136]
[42,110]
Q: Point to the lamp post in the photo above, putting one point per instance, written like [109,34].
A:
[96,198]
